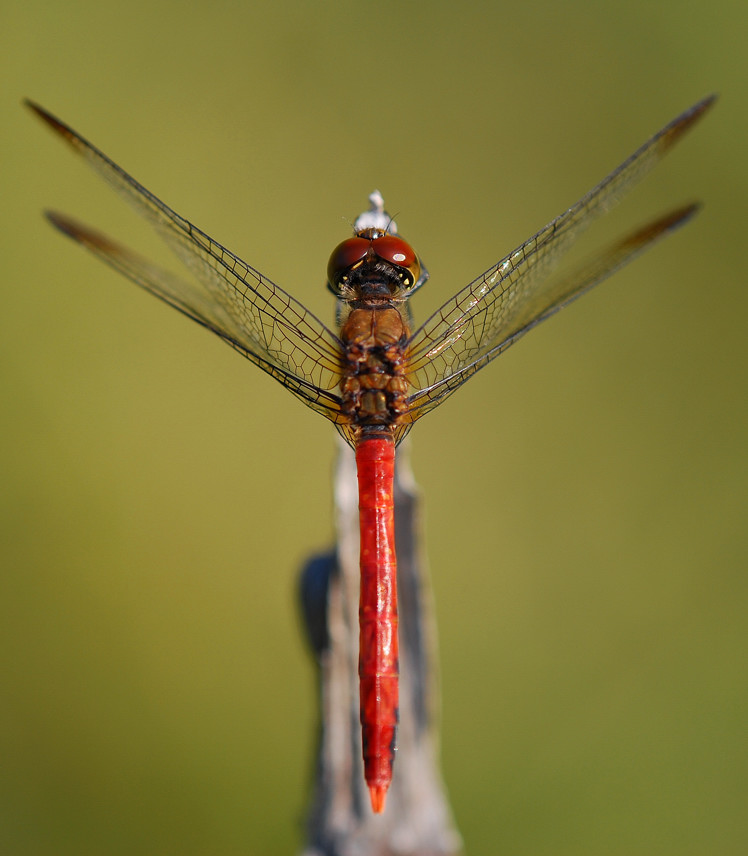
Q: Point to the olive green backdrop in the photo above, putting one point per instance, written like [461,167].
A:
[586,495]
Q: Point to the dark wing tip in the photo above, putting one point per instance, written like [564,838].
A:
[53,122]
[686,120]
[663,225]
[83,234]
[700,107]
[65,224]
[683,214]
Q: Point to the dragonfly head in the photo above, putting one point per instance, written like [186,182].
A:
[375,264]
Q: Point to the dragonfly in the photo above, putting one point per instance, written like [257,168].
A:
[377,374]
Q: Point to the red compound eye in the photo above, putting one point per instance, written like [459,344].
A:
[344,256]
[387,248]
[397,252]
[394,250]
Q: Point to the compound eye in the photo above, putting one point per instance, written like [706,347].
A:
[345,256]
[394,250]
[397,252]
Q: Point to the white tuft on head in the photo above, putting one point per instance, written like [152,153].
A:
[376,217]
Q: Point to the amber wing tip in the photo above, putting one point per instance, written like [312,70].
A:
[702,106]
[54,123]
[678,127]
[40,111]
[67,225]
[378,794]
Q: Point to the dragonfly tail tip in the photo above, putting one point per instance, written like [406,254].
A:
[378,794]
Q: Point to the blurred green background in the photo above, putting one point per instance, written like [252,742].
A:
[585,496]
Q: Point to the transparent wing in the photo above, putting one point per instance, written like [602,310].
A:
[230,298]
[559,293]
[494,310]
[190,299]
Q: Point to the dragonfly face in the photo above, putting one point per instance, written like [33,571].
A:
[373,264]
[376,376]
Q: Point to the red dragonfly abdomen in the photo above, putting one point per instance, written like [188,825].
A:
[378,658]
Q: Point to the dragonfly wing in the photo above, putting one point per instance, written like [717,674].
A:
[190,299]
[559,291]
[274,327]
[491,312]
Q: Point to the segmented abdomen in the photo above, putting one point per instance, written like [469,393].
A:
[378,657]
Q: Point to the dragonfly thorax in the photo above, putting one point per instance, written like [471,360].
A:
[374,387]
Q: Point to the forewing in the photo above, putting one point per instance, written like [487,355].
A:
[560,291]
[258,317]
[492,312]
[190,299]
